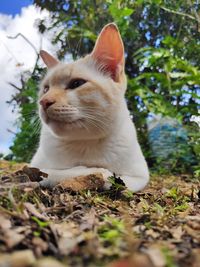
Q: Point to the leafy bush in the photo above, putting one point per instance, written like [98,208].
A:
[26,140]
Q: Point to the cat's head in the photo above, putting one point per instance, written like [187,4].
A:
[82,100]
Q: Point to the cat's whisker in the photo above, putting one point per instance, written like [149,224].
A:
[97,115]
[78,46]
[83,126]
[36,124]
[33,112]
[29,116]
[100,119]
[68,42]
[90,109]
[96,125]
[37,127]
[101,129]
[32,119]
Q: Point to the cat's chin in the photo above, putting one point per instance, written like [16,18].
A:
[63,129]
[77,129]
[72,130]
[65,125]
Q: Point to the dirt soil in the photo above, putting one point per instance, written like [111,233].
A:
[158,227]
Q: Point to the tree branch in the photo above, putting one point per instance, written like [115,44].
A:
[26,39]
[179,13]
[196,15]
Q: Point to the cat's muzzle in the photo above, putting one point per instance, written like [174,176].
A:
[67,114]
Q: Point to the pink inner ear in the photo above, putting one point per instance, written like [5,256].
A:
[49,60]
[109,50]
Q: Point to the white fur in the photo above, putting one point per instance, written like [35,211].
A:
[118,152]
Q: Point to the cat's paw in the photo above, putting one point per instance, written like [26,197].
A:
[106,174]
[97,179]
[48,183]
[88,182]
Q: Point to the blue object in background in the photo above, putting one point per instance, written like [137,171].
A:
[13,7]
[169,142]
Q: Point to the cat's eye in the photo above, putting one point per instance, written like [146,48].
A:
[75,83]
[46,89]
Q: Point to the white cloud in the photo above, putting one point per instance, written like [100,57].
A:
[17,56]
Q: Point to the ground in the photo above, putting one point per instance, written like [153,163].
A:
[158,227]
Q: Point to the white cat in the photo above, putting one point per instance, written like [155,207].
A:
[86,127]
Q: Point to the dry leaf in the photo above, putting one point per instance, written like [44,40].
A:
[152,233]
[34,174]
[24,258]
[136,260]
[156,256]
[32,210]
[177,232]
[49,262]
[12,238]
[40,246]
[67,237]
[89,220]
[5,223]
[84,229]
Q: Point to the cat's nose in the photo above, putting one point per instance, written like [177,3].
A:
[46,103]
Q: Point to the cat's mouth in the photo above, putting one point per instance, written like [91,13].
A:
[71,118]
[66,122]
[61,119]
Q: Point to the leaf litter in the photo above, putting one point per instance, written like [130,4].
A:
[69,226]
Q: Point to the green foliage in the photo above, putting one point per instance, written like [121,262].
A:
[117,184]
[27,138]
[168,257]
[112,230]
[162,61]
[194,142]
[40,223]
[118,188]
[167,84]
[180,200]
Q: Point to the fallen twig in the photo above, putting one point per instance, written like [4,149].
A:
[32,185]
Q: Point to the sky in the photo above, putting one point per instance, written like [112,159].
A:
[13,7]
[17,56]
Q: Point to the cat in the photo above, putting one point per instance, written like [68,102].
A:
[86,126]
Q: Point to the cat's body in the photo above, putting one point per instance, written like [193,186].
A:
[86,127]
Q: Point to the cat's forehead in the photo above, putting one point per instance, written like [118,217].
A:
[64,72]
[58,73]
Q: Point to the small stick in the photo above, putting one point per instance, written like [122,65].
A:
[20,185]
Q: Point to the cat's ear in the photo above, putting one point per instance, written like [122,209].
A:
[109,51]
[49,60]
